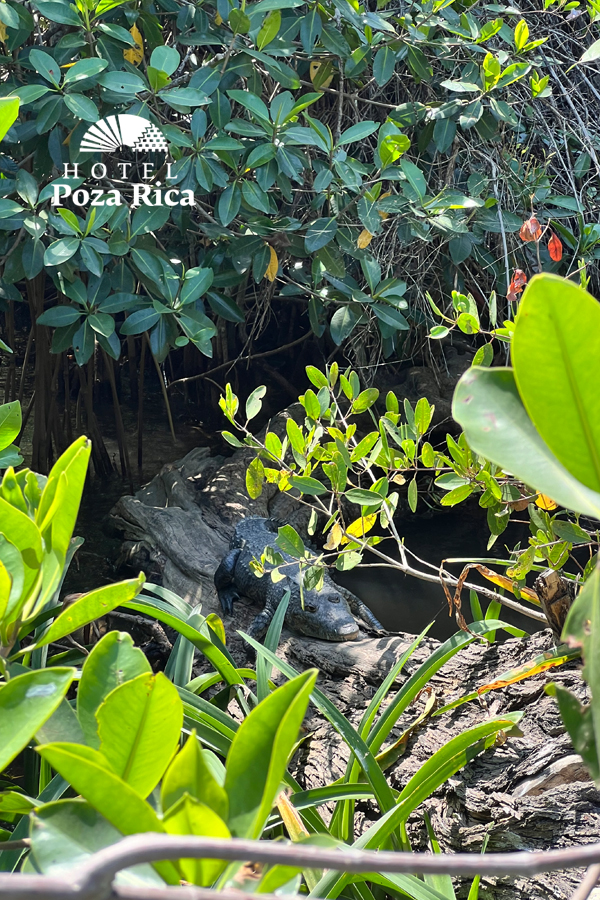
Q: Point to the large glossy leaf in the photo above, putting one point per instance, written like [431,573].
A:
[10,423]
[556,358]
[66,833]
[113,661]
[139,725]
[190,816]
[26,702]
[190,773]
[9,110]
[88,772]
[582,628]
[488,408]
[21,553]
[259,754]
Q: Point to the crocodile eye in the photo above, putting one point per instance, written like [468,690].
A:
[334,598]
[310,607]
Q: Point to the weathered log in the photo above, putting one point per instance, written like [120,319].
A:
[532,792]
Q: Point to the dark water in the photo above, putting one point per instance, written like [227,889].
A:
[404,603]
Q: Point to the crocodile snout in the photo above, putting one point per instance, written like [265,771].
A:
[348,632]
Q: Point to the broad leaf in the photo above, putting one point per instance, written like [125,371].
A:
[26,702]
[487,406]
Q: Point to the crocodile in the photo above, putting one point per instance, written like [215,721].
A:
[330,613]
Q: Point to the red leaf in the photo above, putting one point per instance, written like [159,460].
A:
[519,280]
[555,248]
[531,230]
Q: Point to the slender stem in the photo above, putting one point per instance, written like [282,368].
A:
[163,388]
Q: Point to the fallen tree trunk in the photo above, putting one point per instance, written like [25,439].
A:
[530,793]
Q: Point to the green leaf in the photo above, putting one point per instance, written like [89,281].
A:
[364,498]
[269,30]
[308,485]
[254,402]
[122,83]
[413,495]
[59,316]
[190,773]
[290,542]
[252,103]
[26,702]
[10,422]
[591,54]
[229,204]
[165,59]
[488,408]
[310,29]
[9,110]
[239,21]
[139,321]
[259,754]
[46,66]
[22,555]
[414,176]
[255,476]
[85,68]
[55,11]
[61,251]
[556,359]
[88,773]
[320,233]
[343,321]
[66,833]
[91,606]
[579,722]
[138,725]
[444,132]
[358,132]
[383,65]
[190,816]
[318,378]
[457,495]
[112,661]
[390,316]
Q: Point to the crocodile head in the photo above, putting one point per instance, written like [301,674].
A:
[326,615]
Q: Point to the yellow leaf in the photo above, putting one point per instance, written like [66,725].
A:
[541,663]
[364,239]
[545,502]
[136,54]
[334,538]
[216,623]
[3,32]
[271,273]
[314,68]
[359,527]
[398,478]
[291,818]
[218,19]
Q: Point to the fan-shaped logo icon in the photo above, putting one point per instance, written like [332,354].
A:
[108,135]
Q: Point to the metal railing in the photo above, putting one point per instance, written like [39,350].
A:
[94,879]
